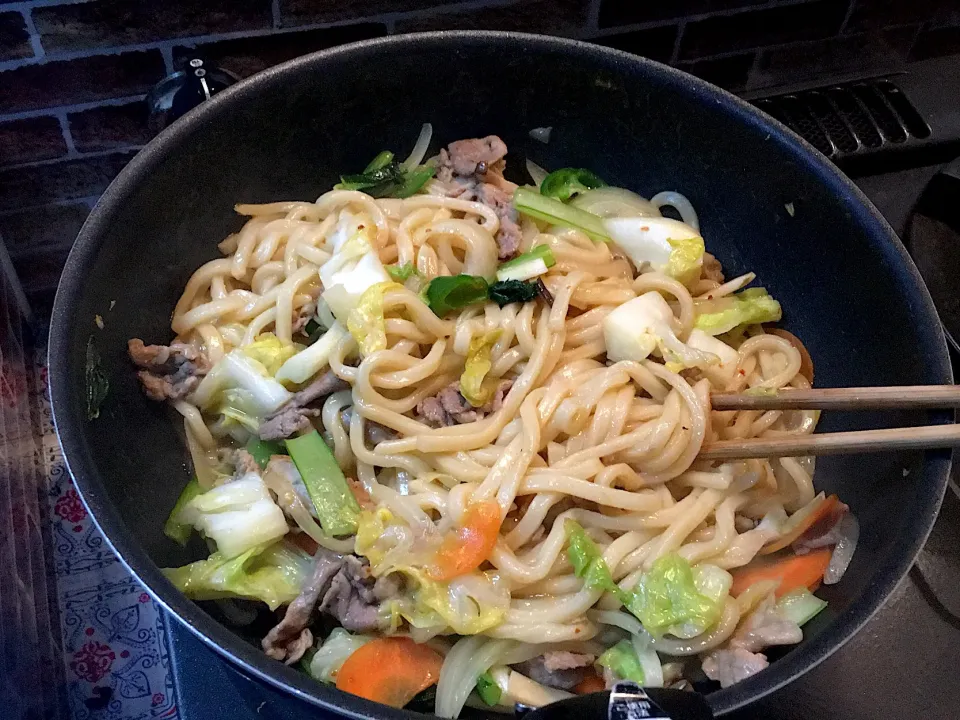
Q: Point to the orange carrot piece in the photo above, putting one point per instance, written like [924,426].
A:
[823,510]
[390,670]
[793,572]
[472,543]
[590,684]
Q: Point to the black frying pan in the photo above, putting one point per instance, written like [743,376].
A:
[849,289]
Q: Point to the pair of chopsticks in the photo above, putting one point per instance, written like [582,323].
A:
[925,437]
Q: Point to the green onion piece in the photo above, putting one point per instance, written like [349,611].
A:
[553,211]
[453,293]
[414,180]
[336,506]
[511,291]
[383,158]
[400,273]
[540,252]
[563,184]
[488,690]
[262,450]
[172,528]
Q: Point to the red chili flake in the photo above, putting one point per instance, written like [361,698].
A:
[742,372]
[645,228]
[709,297]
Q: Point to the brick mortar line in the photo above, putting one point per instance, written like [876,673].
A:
[75,107]
[35,42]
[67,136]
[593,15]
[847,16]
[88,200]
[72,156]
[276,17]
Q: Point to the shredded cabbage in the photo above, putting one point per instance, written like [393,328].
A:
[330,657]
[667,596]
[273,574]
[366,322]
[750,307]
[622,660]
[308,362]
[712,582]
[254,392]
[237,515]
[475,389]
[639,326]
[586,559]
[686,259]
[270,351]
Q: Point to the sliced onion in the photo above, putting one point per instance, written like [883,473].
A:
[610,202]
[849,532]
[536,172]
[419,148]
[541,134]
[681,204]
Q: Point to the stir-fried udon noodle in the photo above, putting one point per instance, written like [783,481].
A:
[448,429]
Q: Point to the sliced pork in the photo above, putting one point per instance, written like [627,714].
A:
[168,372]
[449,407]
[294,416]
[557,669]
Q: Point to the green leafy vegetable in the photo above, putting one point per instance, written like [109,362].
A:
[174,528]
[242,383]
[400,273]
[622,660]
[448,293]
[270,351]
[750,307]
[586,559]
[236,515]
[800,606]
[366,322]
[304,663]
[488,690]
[385,177]
[273,574]
[667,596]
[511,291]
[336,506]
[553,211]
[474,386]
[97,383]
[565,183]
[262,450]
[686,258]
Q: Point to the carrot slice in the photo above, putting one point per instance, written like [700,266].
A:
[590,684]
[793,572]
[390,670]
[806,362]
[820,510]
[472,543]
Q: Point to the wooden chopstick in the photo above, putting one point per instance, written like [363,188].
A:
[861,398]
[925,437]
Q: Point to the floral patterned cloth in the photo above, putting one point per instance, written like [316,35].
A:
[115,653]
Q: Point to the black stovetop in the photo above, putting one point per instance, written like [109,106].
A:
[903,663]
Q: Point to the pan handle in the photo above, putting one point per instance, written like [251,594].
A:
[626,701]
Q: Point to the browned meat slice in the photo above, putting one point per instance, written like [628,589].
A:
[286,639]
[169,372]
[294,416]
[712,270]
[508,236]
[470,157]
[731,666]
[558,669]
[243,463]
[449,407]
[351,598]
[474,171]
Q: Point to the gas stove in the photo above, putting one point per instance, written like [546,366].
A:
[892,135]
